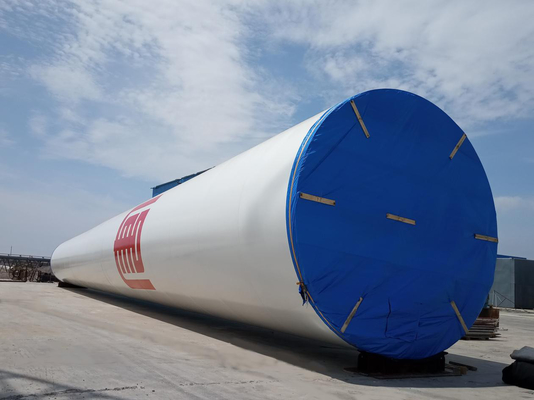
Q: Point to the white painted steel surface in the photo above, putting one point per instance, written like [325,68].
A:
[216,244]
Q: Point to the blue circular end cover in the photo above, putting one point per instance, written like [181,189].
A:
[401,235]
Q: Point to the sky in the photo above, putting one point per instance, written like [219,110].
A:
[101,100]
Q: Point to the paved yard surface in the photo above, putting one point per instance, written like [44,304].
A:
[60,343]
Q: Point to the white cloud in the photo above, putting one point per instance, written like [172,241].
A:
[38,124]
[70,83]
[5,138]
[475,59]
[10,67]
[513,203]
[154,89]
[164,88]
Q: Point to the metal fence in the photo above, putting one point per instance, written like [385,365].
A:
[19,267]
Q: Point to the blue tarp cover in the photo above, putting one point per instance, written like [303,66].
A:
[406,274]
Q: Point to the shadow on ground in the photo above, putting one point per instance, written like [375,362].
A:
[304,353]
[55,389]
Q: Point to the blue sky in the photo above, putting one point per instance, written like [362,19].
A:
[99,101]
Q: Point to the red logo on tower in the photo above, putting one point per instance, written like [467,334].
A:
[127,247]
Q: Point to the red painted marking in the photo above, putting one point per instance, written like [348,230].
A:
[127,247]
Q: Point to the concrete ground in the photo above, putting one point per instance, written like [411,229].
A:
[58,343]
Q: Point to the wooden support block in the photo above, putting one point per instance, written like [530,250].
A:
[317,199]
[457,146]
[351,315]
[400,219]
[487,238]
[459,316]
[360,119]
[469,367]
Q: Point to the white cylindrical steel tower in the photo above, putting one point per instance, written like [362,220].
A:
[378,208]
